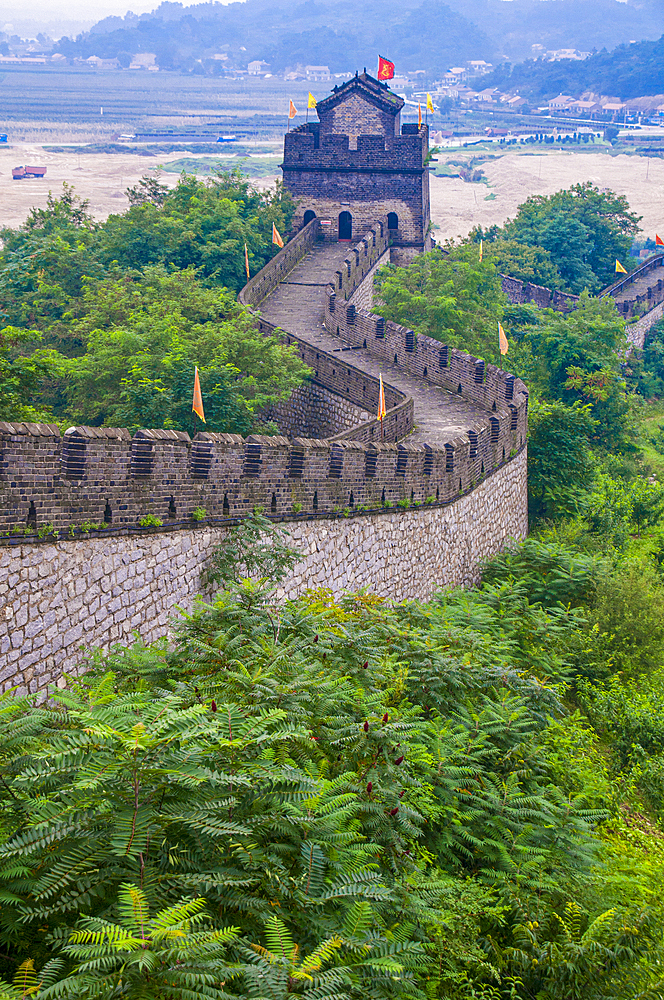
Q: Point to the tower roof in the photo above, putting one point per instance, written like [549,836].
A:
[371,90]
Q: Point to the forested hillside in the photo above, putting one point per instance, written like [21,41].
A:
[632,70]
[431,36]
[459,799]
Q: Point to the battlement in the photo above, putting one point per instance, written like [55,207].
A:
[306,148]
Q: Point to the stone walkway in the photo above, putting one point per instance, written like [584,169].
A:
[297,306]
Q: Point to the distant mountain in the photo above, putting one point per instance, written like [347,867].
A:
[430,35]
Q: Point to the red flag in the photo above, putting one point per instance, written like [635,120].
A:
[385,68]
[292,110]
[276,236]
[659,241]
[246,261]
[419,116]
[197,404]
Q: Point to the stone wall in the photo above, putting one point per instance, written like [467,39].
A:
[314,411]
[59,599]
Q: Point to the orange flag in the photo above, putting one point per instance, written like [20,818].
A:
[502,340]
[292,110]
[619,268]
[276,237]
[419,115]
[381,399]
[197,404]
[246,261]
[659,241]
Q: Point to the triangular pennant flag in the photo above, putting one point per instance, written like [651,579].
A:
[619,268]
[311,103]
[429,103]
[276,237]
[419,114]
[246,261]
[381,398]
[659,241]
[502,340]
[481,249]
[292,110]
[385,69]
[197,404]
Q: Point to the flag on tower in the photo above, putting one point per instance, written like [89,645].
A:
[385,68]
[276,236]
[381,399]
[429,104]
[619,268]
[659,242]
[246,261]
[419,115]
[292,110]
[197,404]
[311,103]
[502,339]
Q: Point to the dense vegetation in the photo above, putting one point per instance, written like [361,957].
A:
[102,323]
[459,799]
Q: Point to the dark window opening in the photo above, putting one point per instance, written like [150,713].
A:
[351,499]
[425,373]
[226,508]
[273,504]
[459,389]
[396,360]
[308,216]
[345,226]
[108,514]
[31,519]
[172,511]
[314,503]
[392,220]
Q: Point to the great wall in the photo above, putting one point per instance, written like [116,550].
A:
[403,513]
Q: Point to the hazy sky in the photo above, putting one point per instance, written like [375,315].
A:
[67,16]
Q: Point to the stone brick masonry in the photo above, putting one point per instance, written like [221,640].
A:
[58,600]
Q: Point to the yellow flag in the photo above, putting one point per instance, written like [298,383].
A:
[197,404]
[246,261]
[419,114]
[480,251]
[276,237]
[429,103]
[381,398]
[619,268]
[292,110]
[502,340]
[311,103]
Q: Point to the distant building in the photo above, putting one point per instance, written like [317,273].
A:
[317,74]
[96,63]
[257,67]
[487,96]
[515,102]
[144,60]
[585,107]
[561,103]
[556,55]
[457,74]
[479,67]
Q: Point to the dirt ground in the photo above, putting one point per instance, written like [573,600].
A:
[455,205]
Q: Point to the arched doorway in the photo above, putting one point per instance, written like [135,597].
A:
[345,226]
[392,220]
[308,216]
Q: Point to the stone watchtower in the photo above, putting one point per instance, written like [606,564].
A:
[358,163]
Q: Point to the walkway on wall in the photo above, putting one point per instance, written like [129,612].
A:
[297,304]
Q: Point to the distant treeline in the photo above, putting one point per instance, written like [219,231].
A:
[430,36]
[632,70]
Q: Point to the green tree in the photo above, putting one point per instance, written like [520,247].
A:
[23,372]
[583,229]
[530,263]
[144,334]
[560,460]
[449,296]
